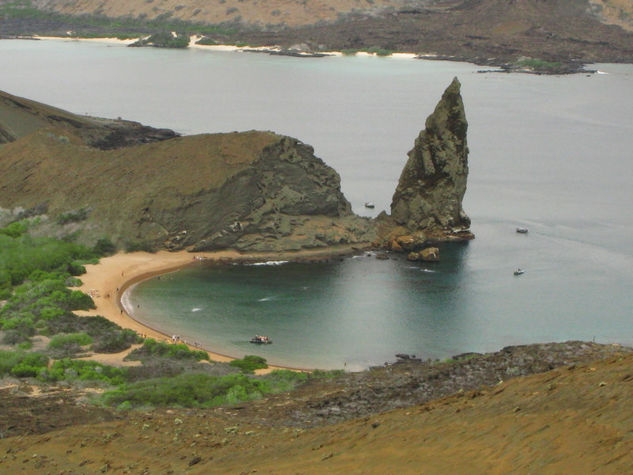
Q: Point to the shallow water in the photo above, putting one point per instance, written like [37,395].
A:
[549,153]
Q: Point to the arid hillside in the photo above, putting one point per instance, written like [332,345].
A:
[615,12]
[261,13]
[573,419]
[293,13]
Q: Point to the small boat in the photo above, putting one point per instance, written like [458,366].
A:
[519,271]
[370,205]
[261,340]
[522,230]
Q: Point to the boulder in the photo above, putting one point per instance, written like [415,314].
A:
[430,254]
[395,246]
[413,256]
[411,242]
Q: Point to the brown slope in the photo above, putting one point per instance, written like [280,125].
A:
[255,191]
[614,12]
[575,419]
[20,117]
[248,12]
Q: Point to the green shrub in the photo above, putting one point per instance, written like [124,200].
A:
[22,365]
[378,51]
[77,300]
[202,390]
[83,370]
[153,348]
[18,336]
[104,247]
[25,345]
[115,341]
[539,64]
[64,345]
[22,255]
[139,246]
[164,40]
[60,341]
[75,268]
[107,336]
[189,390]
[250,363]
[5,293]
[15,229]
[73,216]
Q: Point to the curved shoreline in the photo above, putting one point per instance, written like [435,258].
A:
[107,281]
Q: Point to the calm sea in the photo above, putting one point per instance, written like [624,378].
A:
[554,154]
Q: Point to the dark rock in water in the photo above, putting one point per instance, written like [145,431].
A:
[413,256]
[432,185]
[406,357]
[430,254]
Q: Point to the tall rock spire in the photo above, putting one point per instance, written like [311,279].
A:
[433,182]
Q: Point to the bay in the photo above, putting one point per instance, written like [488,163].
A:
[552,153]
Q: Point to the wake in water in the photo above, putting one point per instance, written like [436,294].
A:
[268,263]
[266,299]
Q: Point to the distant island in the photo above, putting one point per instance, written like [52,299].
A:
[553,37]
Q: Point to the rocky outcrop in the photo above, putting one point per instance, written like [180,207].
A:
[287,200]
[251,191]
[432,185]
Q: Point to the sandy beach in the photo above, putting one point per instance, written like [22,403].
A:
[193,43]
[106,281]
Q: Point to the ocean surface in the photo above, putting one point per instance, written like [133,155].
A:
[551,153]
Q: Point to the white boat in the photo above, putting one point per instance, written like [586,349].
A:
[522,230]
[370,205]
[519,271]
[261,340]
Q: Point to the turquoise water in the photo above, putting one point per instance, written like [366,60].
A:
[361,311]
[553,154]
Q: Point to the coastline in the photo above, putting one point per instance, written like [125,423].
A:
[193,39]
[491,66]
[107,281]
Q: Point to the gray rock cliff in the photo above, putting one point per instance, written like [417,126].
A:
[433,182]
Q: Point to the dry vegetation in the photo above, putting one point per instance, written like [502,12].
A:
[574,419]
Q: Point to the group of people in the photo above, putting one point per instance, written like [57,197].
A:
[177,339]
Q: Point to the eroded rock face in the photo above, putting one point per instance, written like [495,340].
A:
[433,182]
[250,191]
[288,199]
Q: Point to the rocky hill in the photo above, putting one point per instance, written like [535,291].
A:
[251,191]
[254,191]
